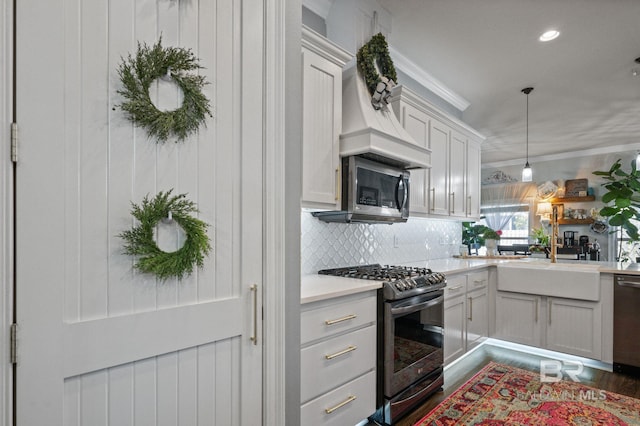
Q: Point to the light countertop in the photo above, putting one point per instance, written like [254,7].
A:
[320,287]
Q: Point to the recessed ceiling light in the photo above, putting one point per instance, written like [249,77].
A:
[549,35]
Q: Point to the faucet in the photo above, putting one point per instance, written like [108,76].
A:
[554,234]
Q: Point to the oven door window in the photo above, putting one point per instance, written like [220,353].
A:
[413,340]
[418,336]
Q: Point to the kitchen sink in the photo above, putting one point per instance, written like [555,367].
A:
[570,280]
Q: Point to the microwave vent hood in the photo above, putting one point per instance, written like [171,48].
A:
[375,133]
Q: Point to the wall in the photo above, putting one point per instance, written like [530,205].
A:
[333,245]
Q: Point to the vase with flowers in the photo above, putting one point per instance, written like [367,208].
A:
[491,239]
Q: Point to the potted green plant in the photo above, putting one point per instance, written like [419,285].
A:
[622,199]
[491,239]
[472,235]
[540,235]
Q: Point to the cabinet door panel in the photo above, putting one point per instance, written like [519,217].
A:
[473,180]
[321,127]
[455,317]
[457,158]
[518,318]
[478,317]
[573,327]
[439,173]
[417,123]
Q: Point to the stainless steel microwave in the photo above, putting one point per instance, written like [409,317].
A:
[372,192]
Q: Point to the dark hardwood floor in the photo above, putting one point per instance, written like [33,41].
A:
[463,370]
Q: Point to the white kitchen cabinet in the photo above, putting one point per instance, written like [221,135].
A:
[564,325]
[518,318]
[457,174]
[322,63]
[473,180]
[574,327]
[338,359]
[439,192]
[417,124]
[477,308]
[451,187]
[466,313]
[454,317]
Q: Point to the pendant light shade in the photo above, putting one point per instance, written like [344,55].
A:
[527,173]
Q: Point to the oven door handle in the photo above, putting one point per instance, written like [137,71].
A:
[417,306]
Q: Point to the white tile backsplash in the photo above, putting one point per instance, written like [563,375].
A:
[333,245]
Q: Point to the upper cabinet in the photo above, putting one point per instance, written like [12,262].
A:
[452,186]
[322,63]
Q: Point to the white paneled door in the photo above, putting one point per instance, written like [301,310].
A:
[100,343]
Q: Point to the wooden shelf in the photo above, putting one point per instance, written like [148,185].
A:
[572,199]
[588,221]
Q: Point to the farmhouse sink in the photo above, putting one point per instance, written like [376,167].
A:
[570,280]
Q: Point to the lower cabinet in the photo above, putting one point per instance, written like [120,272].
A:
[338,360]
[554,323]
[466,313]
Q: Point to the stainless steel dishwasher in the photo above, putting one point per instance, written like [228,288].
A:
[626,323]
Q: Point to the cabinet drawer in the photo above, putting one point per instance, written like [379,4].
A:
[456,286]
[328,320]
[478,280]
[347,405]
[328,364]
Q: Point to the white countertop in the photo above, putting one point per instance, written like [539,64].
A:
[316,287]
[320,287]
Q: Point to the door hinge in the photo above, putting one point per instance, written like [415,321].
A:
[14,142]
[13,338]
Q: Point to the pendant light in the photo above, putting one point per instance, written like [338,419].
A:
[527,174]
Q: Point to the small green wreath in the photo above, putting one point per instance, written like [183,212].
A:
[139,240]
[150,63]
[379,84]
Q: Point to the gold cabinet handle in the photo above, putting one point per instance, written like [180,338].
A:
[549,311]
[452,207]
[433,199]
[536,320]
[351,348]
[337,183]
[478,283]
[458,287]
[351,398]
[471,309]
[336,321]
[254,290]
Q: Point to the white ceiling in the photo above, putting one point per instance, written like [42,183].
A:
[585,96]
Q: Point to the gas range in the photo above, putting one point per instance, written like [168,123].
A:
[400,282]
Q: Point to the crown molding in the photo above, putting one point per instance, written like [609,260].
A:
[319,7]
[427,80]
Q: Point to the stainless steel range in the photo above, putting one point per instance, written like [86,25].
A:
[411,319]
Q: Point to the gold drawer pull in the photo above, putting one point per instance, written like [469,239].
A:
[351,348]
[342,404]
[345,318]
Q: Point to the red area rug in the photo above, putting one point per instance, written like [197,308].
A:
[503,395]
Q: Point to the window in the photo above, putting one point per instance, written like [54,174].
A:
[512,220]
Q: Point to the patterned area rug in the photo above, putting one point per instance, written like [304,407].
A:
[503,395]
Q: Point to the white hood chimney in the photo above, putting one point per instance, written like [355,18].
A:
[366,130]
